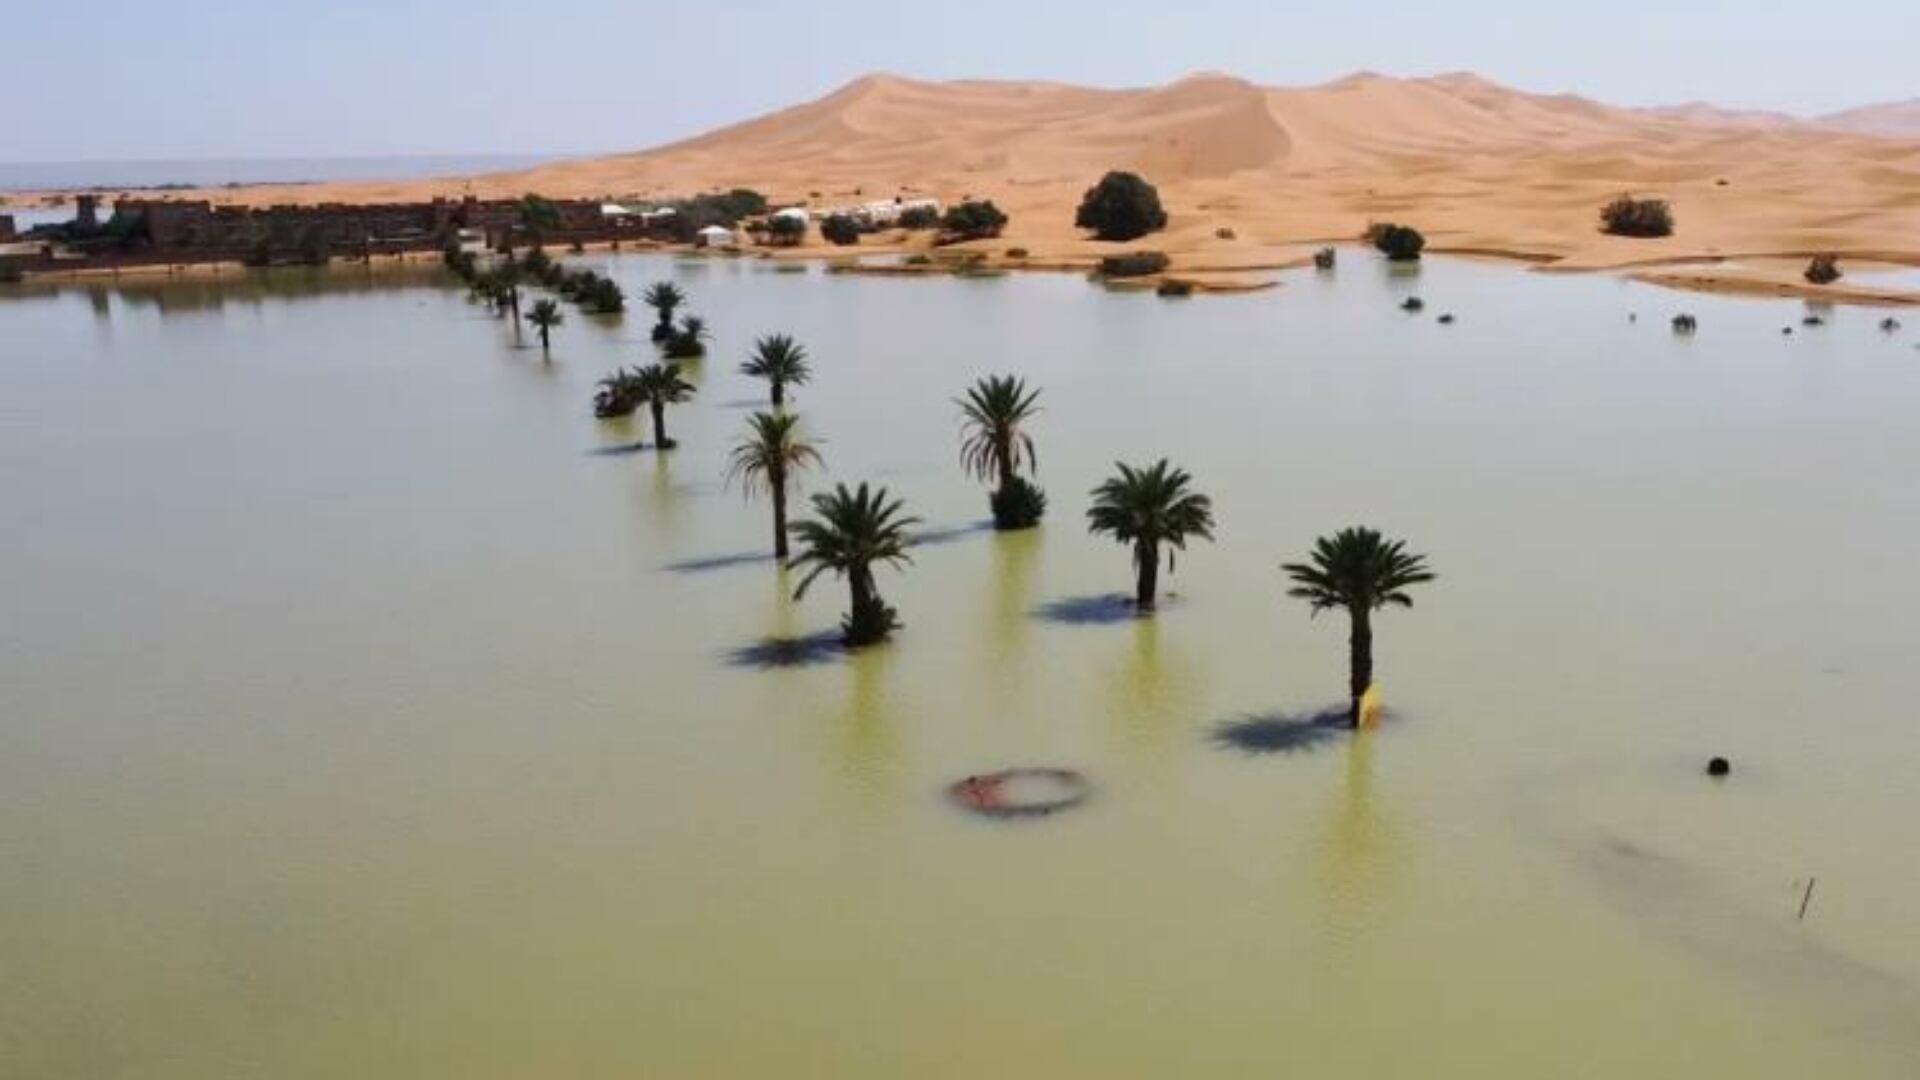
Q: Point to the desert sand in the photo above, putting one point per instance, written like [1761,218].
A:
[1254,177]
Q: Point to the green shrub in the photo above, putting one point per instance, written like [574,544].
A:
[1121,207]
[1133,264]
[1018,504]
[919,217]
[1401,243]
[840,229]
[786,231]
[1823,269]
[973,221]
[1628,216]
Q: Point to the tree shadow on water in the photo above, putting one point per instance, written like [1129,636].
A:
[770,653]
[948,534]
[710,563]
[1101,609]
[1283,733]
[620,449]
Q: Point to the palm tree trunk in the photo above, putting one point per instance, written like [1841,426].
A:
[1146,559]
[779,485]
[1359,660]
[659,410]
[513,298]
[1003,448]
[546,343]
[779,393]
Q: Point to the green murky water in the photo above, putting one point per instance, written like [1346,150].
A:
[357,718]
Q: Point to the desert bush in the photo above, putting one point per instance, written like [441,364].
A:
[919,260]
[1628,216]
[973,221]
[1413,303]
[1889,325]
[840,229]
[919,217]
[11,275]
[1175,288]
[1401,243]
[1133,264]
[1016,253]
[1685,324]
[1121,207]
[786,231]
[603,297]
[1823,269]
[1224,233]
[1323,259]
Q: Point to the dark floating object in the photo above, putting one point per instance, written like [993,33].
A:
[1026,792]
[1786,329]
[1889,324]
[1685,324]
[1413,303]
[1719,767]
[1447,319]
[1633,316]
[1813,320]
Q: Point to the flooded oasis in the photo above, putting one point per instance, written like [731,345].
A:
[368,708]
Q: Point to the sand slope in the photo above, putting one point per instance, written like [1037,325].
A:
[1476,165]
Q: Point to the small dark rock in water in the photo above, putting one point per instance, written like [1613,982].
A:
[1786,329]
[1889,324]
[1719,767]
[1447,319]
[1412,303]
[1633,316]
[1813,320]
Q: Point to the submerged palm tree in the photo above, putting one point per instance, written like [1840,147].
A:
[995,446]
[1146,508]
[660,385]
[688,341]
[1361,571]
[853,531]
[664,297]
[544,317]
[766,459]
[781,361]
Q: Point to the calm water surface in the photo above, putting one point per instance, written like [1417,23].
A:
[361,716]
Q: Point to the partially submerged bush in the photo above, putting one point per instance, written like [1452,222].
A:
[1823,269]
[1685,324]
[840,229]
[1628,216]
[1323,259]
[1400,243]
[1018,504]
[1413,303]
[618,395]
[1134,264]
[602,296]
[1889,325]
[972,221]
[1175,288]
[1121,207]
[687,341]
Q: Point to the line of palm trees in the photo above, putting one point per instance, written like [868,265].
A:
[1154,509]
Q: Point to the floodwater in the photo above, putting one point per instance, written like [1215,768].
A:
[365,712]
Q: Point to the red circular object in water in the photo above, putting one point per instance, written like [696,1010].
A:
[1026,792]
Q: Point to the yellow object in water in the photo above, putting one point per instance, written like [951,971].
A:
[1370,706]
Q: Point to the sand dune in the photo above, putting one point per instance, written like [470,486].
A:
[1475,165]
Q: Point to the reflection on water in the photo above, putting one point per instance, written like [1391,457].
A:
[349,662]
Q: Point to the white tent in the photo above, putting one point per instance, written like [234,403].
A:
[715,236]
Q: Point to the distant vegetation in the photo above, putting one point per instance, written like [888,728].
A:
[919,217]
[972,221]
[1685,324]
[1121,207]
[786,231]
[688,341]
[1628,216]
[1175,288]
[1133,264]
[664,297]
[1823,269]
[692,215]
[1324,258]
[840,229]
[1400,243]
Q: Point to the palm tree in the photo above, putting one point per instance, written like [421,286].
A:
[1357,569]
[766,459]
[509,276]
[853,531]
[544,317]
[1146,508]
[664,297]
[781,361]
[660,385]
[994,446]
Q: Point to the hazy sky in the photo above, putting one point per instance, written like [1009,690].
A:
[113,79]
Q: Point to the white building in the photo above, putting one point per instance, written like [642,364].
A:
[888,211]
[715,236]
